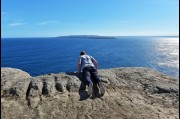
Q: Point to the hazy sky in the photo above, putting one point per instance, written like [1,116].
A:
[47,18]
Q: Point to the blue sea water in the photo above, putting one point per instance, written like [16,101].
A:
[39,56]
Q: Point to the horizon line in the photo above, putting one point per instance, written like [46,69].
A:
[98,35]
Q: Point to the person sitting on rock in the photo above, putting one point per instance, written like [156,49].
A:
[88,65]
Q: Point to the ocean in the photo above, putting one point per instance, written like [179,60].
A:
[39,56]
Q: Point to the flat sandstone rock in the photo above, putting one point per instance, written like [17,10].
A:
[131,93]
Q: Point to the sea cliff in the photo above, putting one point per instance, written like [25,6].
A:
[131,93]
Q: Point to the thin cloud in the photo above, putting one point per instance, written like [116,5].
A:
[46,22]
[16,24]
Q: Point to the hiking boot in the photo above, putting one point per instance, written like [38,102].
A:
[102,89]
[90,89]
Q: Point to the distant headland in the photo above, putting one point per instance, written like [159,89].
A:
[109,37]
[88,36]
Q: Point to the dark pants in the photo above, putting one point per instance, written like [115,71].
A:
[90,75]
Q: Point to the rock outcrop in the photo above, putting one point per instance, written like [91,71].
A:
[131,93]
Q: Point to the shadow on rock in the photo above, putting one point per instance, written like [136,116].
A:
[79,76]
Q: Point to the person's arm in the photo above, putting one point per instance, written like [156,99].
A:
[95,62]
[79,65]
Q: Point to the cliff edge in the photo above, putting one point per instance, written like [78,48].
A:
[131,93]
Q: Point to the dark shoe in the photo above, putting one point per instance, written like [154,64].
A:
[90,89]
[82,87]
[95,89]
[102,89]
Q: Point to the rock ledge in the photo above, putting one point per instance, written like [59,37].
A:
[131,93]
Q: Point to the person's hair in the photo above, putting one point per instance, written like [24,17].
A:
[82,53]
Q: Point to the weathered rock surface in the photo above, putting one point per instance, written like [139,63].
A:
[131,93]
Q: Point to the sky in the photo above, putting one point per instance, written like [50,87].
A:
[51,18]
